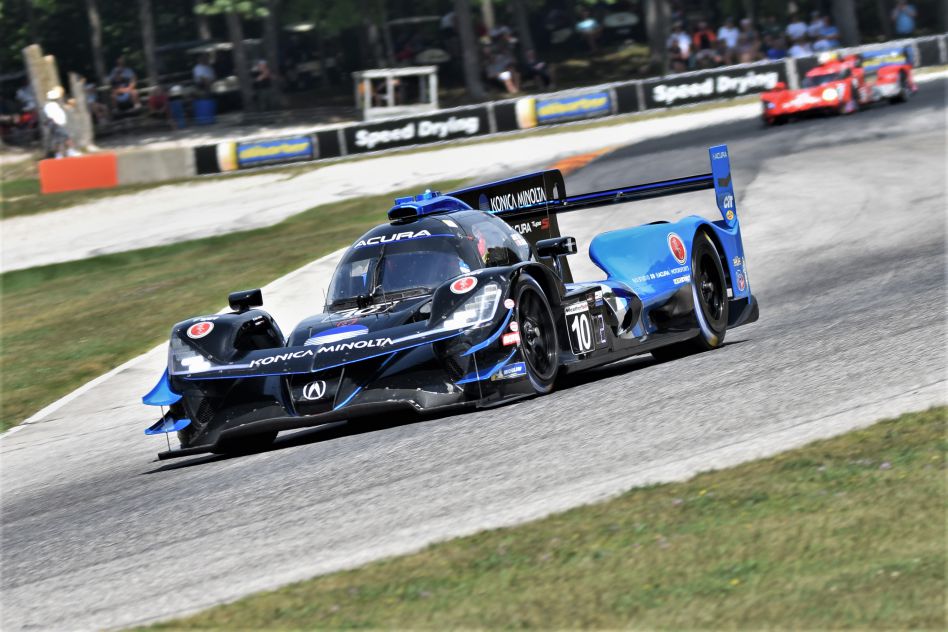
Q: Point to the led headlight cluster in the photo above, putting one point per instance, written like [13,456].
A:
[182,358]
[476,311]
[830,94]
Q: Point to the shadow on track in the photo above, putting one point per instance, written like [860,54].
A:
[340,429]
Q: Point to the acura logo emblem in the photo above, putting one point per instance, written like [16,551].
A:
[314,390]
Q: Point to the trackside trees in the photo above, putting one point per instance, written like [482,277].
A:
[469,52]
[844,13]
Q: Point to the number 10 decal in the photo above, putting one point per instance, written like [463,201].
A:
[580,328]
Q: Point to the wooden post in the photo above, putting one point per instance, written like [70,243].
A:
[80,122]
[36,68]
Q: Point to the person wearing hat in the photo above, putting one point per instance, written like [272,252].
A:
[54,117]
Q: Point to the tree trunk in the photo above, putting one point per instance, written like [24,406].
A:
[657,14]
[469,51]
[487,14]
[272,42]
[373,37]
[321,52]
[844,12]
[31,30]
[523,25]
[203,26]
[883,15]
[147,19]
[236,31]
[95,34]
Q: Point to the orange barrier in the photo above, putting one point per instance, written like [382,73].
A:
[94,171]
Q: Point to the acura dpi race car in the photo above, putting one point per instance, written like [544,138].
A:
[843,85]
[461,299]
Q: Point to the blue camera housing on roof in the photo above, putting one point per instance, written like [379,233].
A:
[427,203]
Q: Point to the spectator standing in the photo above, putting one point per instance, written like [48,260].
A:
[100,113]
[903,17]
[203,74]
[775,47]
[262,84]
[801,48]
[828,36]
[729,34]
[25,96]
[815,26]
[589,28]
[703,37]
[769,26]
[124,86]
[680,39]
[54,117]
[796,29]
[748,43]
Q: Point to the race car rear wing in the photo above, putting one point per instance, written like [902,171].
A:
[530,203]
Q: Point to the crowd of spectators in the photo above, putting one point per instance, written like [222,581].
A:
[696,45]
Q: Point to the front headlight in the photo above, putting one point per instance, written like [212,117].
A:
[476,311]
[830,94]
[769,105]
[184,359]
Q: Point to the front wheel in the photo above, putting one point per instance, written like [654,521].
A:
[709,292]
[538,340]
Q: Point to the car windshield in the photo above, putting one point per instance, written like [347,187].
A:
[399,268]
[819,80]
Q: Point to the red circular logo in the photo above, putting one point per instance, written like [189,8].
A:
[464,285]
[677,247]
[199,330]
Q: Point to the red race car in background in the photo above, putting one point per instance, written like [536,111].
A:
[841,85]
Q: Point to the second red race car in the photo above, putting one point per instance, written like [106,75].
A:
[842,85]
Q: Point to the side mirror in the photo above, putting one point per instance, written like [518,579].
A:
[244,300]
[780,86]
[556,247]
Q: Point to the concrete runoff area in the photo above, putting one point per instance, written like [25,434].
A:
[844,228]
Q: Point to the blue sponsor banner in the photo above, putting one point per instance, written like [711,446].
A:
[265,152]
[578,106]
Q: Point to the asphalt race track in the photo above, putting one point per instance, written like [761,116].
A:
[844,225]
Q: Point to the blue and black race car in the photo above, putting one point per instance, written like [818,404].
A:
[461,299]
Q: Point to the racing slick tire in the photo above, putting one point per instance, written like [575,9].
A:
[538,340]
[850,105]
[903,94]
[709,291]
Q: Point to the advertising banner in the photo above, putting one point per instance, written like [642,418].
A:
[417,130]
[276,151]
[533,111]
[627,97]
[724,83]
[929,51]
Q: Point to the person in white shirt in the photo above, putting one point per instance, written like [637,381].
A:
[816,25]
[729,34]
[54,115]
[203,73]
[797,28]
[680,38]
[800,48]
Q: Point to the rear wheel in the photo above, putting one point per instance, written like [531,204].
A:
[537,335]
[709,292]
[903,93]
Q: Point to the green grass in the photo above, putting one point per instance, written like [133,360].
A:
[68,323]
[843,533]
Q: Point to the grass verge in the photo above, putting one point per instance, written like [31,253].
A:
[68,323]
[843,533]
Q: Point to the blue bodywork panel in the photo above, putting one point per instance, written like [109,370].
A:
[161,394]
[167,424]
[649,259]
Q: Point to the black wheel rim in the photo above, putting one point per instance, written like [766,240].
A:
[710,289]
[536,334]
